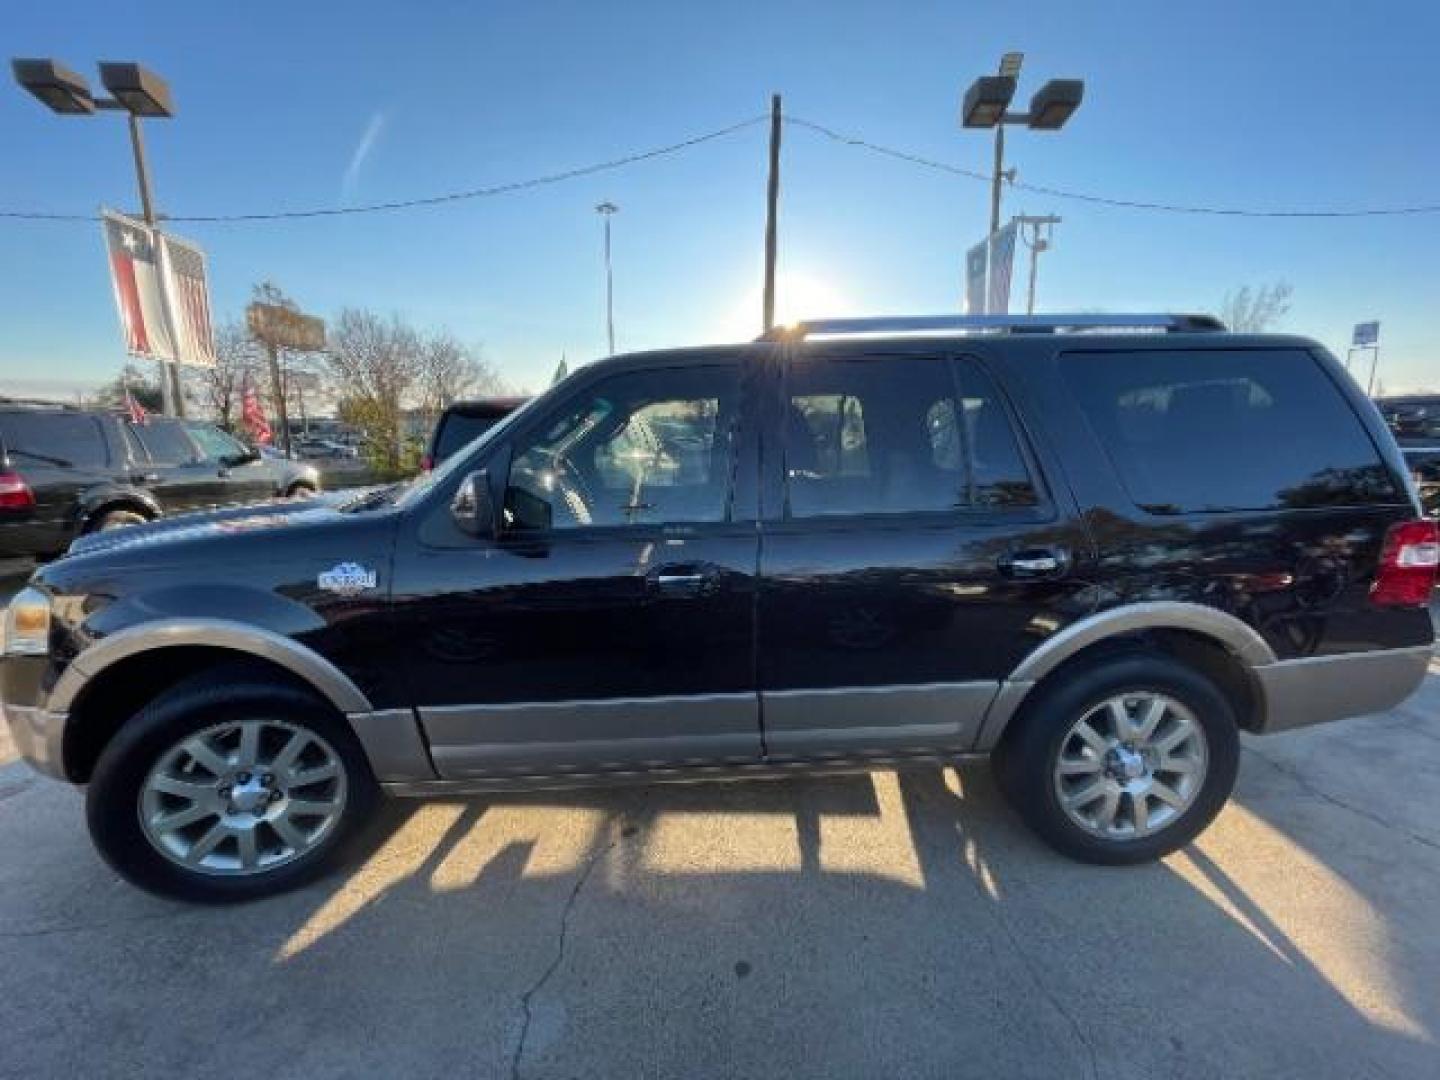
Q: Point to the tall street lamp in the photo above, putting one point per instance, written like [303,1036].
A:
[987,105]
[607,210]
[139,93]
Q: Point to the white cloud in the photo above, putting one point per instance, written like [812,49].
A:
[373,130]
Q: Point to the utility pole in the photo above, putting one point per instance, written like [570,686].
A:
[1038,241]
[606,210]
[772,206]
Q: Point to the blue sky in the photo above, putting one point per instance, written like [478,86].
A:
[1274,104]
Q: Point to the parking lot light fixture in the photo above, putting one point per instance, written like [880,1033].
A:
[56,86]
[1054,103]
[138,89]
[140,94]
[986,101]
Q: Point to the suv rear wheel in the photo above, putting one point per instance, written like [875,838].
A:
[1123,760]
[118,518]
[219,791]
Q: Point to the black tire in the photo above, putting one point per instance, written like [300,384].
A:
[1026,759]
[115,519]
[301,491]
[112,803]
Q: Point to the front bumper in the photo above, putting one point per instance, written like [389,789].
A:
[39,736]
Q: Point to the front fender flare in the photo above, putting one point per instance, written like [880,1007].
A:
[328,680]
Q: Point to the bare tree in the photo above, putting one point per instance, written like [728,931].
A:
[1251,311]
[238,359]
[450,371]
[376,367]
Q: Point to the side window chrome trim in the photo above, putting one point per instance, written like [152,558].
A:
[309,665]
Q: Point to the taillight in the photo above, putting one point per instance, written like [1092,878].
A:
[1407,565]
[15,493]
[427,463]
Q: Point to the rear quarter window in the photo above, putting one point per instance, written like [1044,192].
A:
[58,439]
[1212,430]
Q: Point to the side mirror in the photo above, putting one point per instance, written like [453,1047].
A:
[473,508]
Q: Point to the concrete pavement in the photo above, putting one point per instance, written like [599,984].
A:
[900,925]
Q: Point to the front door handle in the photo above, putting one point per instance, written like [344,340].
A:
[1034,563]
[676,581]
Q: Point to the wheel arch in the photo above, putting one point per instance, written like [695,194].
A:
[99,502]
[111,680]
[1221,646]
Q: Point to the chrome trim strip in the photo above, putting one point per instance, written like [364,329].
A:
[806,722]
[39,737]
[391,740]
[309,665]
[1238,637]
[680,774]
[1317,689]
[609,734]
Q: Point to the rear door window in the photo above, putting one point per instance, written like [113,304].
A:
[63,440]
[167,442]
[1212,430]
[898,435]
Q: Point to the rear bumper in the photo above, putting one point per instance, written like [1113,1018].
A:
[1318,689]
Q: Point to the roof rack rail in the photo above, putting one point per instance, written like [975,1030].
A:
[996,324]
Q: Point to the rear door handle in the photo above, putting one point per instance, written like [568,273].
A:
[1035,563]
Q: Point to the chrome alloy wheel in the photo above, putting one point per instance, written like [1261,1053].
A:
[243,797]
[1131,766]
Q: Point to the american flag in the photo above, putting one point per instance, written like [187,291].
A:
[137,412]
[254,416]
[139,274]
[190,302]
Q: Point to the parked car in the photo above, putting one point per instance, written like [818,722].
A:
[1094,556]
[462,423]
[65,472]
[325,450]
[1415,422]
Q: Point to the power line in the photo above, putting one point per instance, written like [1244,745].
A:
[429,200]
[1101,200]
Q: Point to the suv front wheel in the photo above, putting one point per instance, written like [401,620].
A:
[228,789]
[1123,760]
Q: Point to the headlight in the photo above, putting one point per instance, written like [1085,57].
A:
[27,624]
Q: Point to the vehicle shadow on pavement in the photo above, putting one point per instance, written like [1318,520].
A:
[901,924]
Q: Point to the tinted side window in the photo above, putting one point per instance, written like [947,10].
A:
[65,440]
[640,449]
[901,435]
[1209,430]
[166,442]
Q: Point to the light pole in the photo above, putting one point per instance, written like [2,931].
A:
[986,105]
[1041,229]
[139,93]
[606,210]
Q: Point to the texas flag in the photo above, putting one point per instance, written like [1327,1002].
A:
[135,273]
[144,281]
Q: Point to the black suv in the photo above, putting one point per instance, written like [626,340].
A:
[464,422]
[1094,548]
[66,471]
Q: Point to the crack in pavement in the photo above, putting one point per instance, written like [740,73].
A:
[1334,800]
[519,1054]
